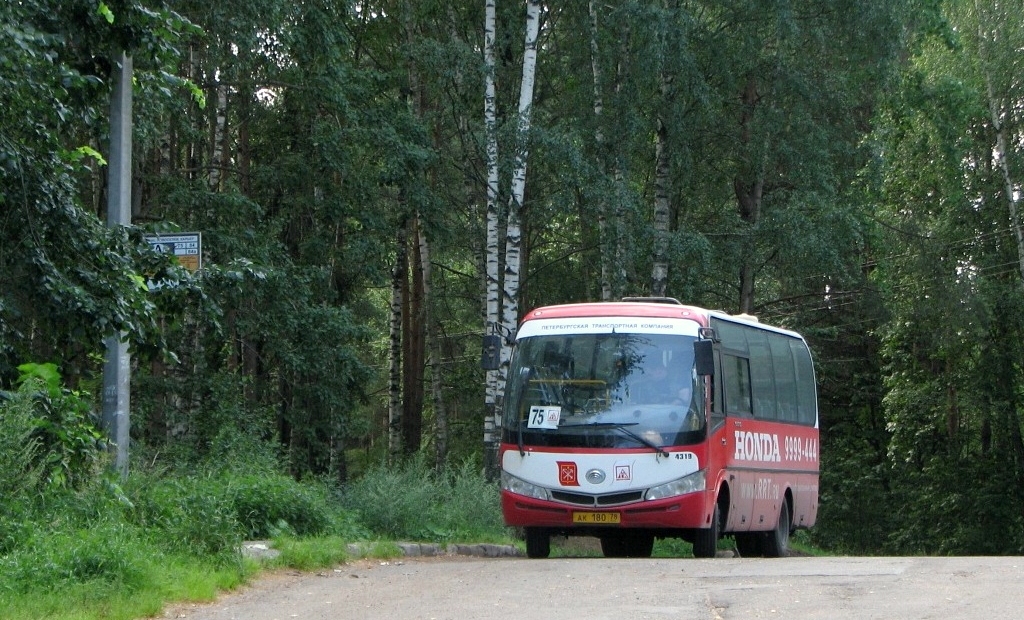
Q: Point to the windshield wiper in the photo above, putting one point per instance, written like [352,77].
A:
[621,427]
[522,451]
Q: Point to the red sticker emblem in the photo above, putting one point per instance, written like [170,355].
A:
[567,476]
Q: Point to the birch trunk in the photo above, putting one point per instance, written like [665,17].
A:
[1012,199]
[1003,102]
[659,267]
[619,229]
[604,225]
[513,228]
[492,258]
[217,158]
[663,170]
[611,215]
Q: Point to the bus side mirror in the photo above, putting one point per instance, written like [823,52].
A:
[704,357]
[490,353]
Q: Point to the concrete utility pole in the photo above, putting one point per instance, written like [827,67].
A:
[117,366]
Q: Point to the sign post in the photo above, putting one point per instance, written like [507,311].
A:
[187,247]
[117,364]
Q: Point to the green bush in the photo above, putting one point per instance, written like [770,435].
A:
[71,450]
[18,448]
[413,502]
[394,501]
[467,506]
[272,504]
[189,515]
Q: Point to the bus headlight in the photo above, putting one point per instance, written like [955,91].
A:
[687,484]
[521,487]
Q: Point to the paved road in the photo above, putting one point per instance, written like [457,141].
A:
[596,588]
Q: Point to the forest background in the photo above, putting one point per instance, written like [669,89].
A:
[847,169]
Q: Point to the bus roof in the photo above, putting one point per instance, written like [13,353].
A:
[663,308]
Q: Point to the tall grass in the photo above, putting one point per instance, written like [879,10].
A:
[19,472]
[87,545]
[414,502]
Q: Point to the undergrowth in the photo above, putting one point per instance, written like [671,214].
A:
[77,542]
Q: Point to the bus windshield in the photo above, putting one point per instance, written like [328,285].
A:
[606,390]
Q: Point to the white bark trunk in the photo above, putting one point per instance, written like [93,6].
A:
[492,258]
[513,232]
[603,225]
[619,229]
[217,158]
[659,269]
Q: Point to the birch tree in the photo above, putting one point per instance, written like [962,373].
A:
[508,318]
[513,239]
[492,258]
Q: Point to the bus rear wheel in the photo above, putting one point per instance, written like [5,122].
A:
[538,542]
[776,542]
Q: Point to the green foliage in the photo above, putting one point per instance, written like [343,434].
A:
[187,514]
[413,502]
[853,516]
[325,129]
[72,451]
[107,552]
[19,470]
[273,504]
[67,280]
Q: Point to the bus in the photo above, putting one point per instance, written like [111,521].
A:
[646,418]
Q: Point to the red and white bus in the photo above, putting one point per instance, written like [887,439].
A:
[646,418]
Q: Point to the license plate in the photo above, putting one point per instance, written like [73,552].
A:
[596,518]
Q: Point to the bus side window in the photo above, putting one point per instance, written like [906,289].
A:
[717,410]
[807,405]
[785,377]
[762,375]
[737,384]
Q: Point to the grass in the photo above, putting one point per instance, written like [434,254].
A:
[175,579]
[125,551]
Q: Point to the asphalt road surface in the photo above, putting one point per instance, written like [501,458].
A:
[465,588]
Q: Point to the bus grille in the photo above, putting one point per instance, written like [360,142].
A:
[582,499]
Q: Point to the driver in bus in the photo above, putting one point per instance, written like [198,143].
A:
[658,387]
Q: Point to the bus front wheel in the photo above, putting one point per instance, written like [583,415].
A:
[705,540]
[538,542]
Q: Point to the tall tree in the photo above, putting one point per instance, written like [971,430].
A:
[508,263]
[997,48]
[492,257]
